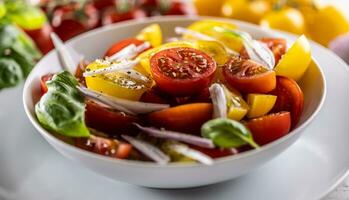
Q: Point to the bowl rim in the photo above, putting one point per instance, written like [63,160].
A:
[48,136]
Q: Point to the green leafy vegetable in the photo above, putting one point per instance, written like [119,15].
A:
[62,108]
[10,73]
[227,133]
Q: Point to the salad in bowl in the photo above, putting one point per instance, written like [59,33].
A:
[206,92]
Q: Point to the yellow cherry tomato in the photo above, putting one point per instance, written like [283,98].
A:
[326,23]
[152,34]
[246,10]
[145,56]
[207,27]
[260,104]
[296,60]
[288,19]
[208,7]
[237,106]
[116,84]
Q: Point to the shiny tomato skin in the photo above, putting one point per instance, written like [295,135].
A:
[67,21]
[43,81]
[184,118]
[289,98]
[248,76]
[107,120]
[42,38]
[269,128]
[111,16]
[122,44]
[177,76]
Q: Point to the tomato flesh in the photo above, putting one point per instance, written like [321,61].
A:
[43,81]
[105,146]
[289,98]
[269,128]
[182,71]
[122,44]
[107,120]
[248,76]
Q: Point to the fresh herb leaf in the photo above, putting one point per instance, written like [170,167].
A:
[10,73]
[62,108]
[227,133]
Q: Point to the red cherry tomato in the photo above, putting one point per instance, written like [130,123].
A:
[277,45]
[102,4]
[248,76]
[42,38]
[289,98]
[43,81]
[122,44]
[111,15]
[107,120]
[177,8]
[269,128]
[154,96]
[182,71]
[104,146]
[71,20]
[216,152]
[186,118]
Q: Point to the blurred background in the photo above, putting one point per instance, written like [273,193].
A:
[25,25]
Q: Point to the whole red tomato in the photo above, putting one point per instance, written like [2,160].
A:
[112,15]
[73,19]
[42,38]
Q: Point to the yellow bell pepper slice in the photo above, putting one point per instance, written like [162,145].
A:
[152,34]
[116,84]
[296,60]
[237,107]
[207,27]
[260,104]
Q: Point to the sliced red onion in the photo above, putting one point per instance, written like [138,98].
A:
[148,149]
[341,47]
[256,50]
[201,36]
[124,53]
[190,139]
[124,105]
[63,53]
[191,153]
[219,101]
[123,65]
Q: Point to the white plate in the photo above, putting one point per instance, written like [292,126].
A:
[31,169]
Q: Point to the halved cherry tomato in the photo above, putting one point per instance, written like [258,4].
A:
[43,81]
[260,104]
[107,120]
[182,71]
[122,44]
[153,96]
[277,45]
[269,128]
[248,76]
[289,98]
[188,117]
[105,146]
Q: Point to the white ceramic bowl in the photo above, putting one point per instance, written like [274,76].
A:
[93,44]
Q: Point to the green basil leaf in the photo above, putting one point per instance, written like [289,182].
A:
[8,36]
[227,133]
[62,108]
[10,73]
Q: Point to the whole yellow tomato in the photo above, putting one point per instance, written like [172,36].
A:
[246,10]
[326,23]
[287,19]
[208,7]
